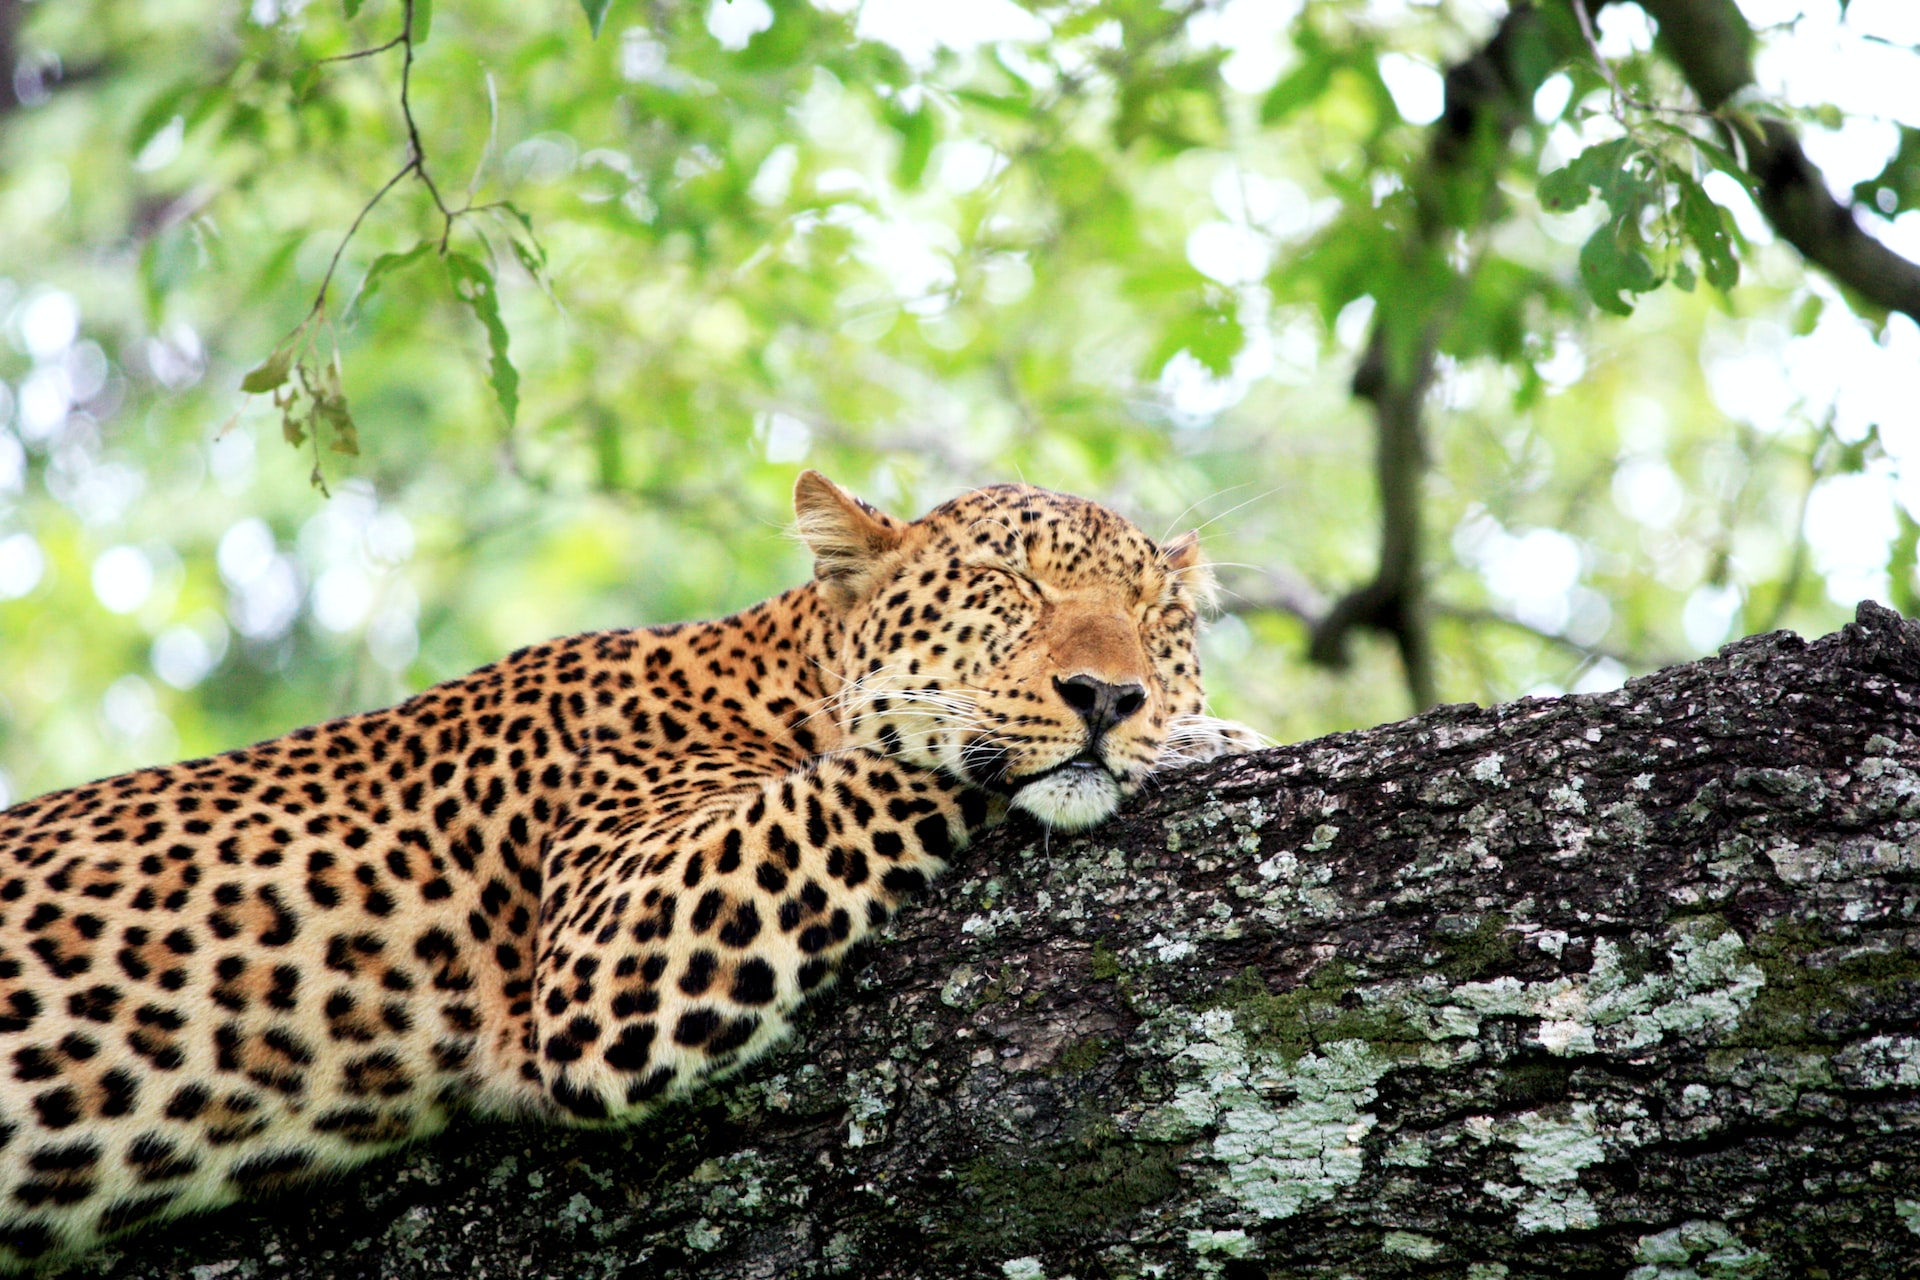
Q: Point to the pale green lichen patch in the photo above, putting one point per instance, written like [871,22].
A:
[1200,829]
[1881,1062]
[1839,860]
[1197,825]
[1695,1250]
[1287,1128]
[1444,790]
[1230,1244]
[1908,1211]
[985,926]
[870,1095]
[1566,797]
[961,983]
[1286,878]
[1169,950]
[1550,1150]
[1707,984]
[1410,1244]
[1887,788]
[704,1236]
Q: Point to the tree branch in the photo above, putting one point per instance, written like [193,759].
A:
[1569,985]
[1711,43]
[1486,97]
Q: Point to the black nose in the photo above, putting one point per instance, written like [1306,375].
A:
[1100,704]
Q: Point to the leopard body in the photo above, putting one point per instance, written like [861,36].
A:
[573,883]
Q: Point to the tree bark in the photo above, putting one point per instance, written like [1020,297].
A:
[1625,984]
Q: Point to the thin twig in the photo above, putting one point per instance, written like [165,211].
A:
[1479,616]
[1618,95]
[363,53]
[320,298]
[415,150]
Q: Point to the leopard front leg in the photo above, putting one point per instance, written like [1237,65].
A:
[674,955]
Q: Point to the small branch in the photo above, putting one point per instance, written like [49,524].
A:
[394,43]
[1585,652]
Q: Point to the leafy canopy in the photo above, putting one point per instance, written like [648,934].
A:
[629,265]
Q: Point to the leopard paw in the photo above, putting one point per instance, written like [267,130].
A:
[1195,739]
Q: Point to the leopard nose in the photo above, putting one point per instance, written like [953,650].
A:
[1100,704]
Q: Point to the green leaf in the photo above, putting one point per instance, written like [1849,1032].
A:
[1603,166]
[533,261]
[473,285]
[383,266]
[1807,315]
[519,215]
[421,22]
[1710,229]
[346,436]
[158,114]
[916,130]
[1902,559]
[596,11]
[1306,82]
[272,372]
[1213,335]
[1610,268]
[1014,106]
[352,8]
[526,246]
[1896,188]
[1564,190]
[1713,153]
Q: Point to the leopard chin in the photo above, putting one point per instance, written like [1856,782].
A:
[1072,799]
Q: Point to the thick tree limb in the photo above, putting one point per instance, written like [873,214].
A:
[1711,43]
[1559,988]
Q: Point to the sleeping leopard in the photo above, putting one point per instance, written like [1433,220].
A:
[573,883]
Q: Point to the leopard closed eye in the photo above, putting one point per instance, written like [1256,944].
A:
[572,883]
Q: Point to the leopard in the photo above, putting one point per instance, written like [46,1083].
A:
[575,883]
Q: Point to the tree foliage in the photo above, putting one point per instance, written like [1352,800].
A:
[347,345]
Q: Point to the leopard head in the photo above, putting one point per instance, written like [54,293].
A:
[1025,641]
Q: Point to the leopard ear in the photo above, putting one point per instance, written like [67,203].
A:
[848,538]
[1188,568]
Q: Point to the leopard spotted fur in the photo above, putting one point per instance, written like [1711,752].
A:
[572,883]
